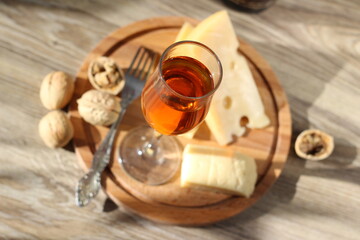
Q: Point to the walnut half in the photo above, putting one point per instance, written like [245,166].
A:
[105,75]
[314,145]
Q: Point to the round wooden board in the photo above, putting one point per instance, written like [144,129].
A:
[169,203]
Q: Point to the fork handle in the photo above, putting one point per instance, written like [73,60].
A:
[89,185]
[102,155]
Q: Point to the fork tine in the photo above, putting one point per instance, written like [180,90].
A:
[153,57]
[141,60]
[142,72]
[130,69]
[136,71]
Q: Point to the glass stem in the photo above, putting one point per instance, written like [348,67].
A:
[151,148]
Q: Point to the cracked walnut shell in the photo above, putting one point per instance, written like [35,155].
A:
[105,75]
[314,145]
[99,108]
[55,129]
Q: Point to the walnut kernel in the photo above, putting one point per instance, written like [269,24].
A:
[314,145]
[105,75]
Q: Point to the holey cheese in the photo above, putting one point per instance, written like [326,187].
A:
[218,169]
[237,95]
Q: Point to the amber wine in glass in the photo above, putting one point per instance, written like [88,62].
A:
[175,99]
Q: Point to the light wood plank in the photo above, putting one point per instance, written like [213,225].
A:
[313,47]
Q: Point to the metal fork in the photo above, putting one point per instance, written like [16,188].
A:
[138,71]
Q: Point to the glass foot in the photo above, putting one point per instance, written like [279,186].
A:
[148,158]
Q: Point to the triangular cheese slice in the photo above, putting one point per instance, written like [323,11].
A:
[237,95]
[184,32]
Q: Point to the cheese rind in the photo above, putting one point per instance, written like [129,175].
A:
[218,169]
[237,95]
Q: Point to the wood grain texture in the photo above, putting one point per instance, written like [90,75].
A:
[169,203]
[313,47]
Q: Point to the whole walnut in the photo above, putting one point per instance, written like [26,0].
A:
[55,129]
[99,108]
[56,90]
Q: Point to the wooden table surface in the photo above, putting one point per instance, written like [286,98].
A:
[313,47]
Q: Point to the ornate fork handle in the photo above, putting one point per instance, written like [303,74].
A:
[102,155]
[139,69]
[89,185]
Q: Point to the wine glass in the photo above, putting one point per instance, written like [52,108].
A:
[175,99]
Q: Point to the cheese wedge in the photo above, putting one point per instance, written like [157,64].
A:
[184,32]
[218,169]
[237,95]
[182,35]
[190,134]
